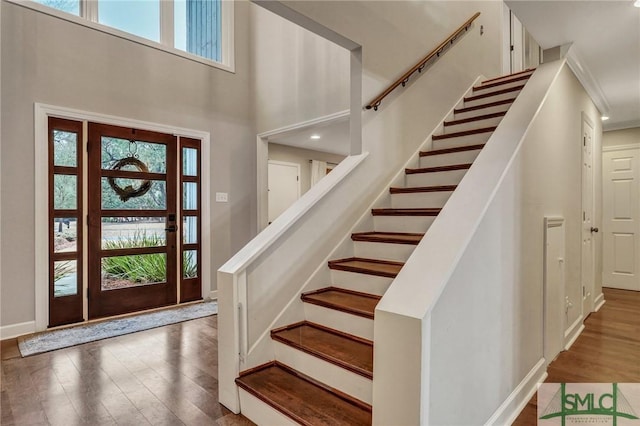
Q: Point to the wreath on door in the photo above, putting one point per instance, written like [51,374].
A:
[130,191]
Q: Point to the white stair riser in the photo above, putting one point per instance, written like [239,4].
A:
[385,251]
[451,177]
[513,83]
[363,283]
[420,199]
[493,98]
[482,111]
[332,375]
[461,140]
[487,122]
[463,157]
[348,323]
[262,413]
[402,223]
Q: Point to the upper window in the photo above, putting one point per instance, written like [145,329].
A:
[193,26]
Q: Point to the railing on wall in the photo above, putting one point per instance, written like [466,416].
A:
[435,53]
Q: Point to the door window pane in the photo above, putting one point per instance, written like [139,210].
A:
[197,27]
[139,17]
[190,196]
[65,234]
[65,192]
[189,161]
[154,199]
[65,148]
[68,6]
[153,155]
[190,263]
[190,230]
[65,278]
[134,270]
[130,232]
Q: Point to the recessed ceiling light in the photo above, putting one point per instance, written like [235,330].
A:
[637,3]
[605,117]
[315,137]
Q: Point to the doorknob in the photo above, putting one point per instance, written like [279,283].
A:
[171,228]
[594,229]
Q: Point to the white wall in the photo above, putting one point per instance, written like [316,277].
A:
[302,157]
[52,61]
[493,305]
[621,137]
[296,75]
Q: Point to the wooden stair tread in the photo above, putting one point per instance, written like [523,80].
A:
[464,133]
[483,106]
[494,93]
[406,212]
[388,237]
[508,76]
[301,398]
[476,118]
[438,169]
[352,302]
[420,189]
[382,268]
[349,352]
[496,83]
[452,150]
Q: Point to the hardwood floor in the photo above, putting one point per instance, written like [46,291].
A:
[608,350]
[163,376]
[168,375]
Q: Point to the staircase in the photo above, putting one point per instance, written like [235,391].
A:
[323,368]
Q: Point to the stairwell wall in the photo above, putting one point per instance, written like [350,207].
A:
[483,325]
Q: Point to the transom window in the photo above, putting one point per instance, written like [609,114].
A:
[192,26]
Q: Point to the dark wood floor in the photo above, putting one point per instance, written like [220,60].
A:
[164,376]
[607,351]
[168,375]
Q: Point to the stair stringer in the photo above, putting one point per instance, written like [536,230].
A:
[408,341]
[263,350]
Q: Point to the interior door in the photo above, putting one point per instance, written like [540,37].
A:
[132,222]
[284,187]
[620,219]
[588,227]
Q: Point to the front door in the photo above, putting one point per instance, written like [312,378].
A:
[132,220]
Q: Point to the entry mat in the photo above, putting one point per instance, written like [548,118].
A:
[63,338]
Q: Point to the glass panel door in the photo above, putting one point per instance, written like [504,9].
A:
[132,220]
[65,221]
[190,212]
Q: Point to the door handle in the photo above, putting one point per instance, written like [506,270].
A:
[172,228]
[594,229]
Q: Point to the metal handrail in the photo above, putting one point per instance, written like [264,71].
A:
[420,65]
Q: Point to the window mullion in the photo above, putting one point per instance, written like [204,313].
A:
[166,23]
[89,10]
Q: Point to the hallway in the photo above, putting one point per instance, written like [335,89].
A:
[608,350]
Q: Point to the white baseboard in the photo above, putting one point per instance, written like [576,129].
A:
[15,330]
[573,332]
[516,401]
[598,302]
[213,295]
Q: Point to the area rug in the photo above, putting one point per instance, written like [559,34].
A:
[63,338]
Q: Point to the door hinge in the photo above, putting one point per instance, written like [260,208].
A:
[511,49]
[87,219]
[584,141]
[583,291]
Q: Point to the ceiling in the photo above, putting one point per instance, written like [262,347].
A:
[605,54]
[334,137]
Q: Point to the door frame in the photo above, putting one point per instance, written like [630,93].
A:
[41,268]
[586,119]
